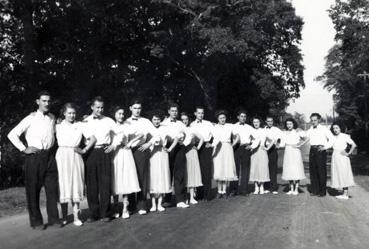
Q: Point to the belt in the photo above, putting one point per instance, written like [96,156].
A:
[315,146]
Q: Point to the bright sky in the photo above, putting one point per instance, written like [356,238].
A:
[317,38]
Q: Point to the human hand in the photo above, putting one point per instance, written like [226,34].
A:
[144,147]
[30,150]
[109,148]
[80,151]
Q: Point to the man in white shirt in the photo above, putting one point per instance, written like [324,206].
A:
[273,135]
[204,128]
[40,166]
[177,156]
[141,154]
[320,139]
[99,161]
[242,154]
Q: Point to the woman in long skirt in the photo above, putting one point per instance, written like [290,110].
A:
[341,172]
[223,156]
[160,182]
[259,169]
[70,163]
[192,158]
[125,180]
[293,167]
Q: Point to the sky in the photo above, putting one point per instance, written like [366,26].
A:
[317,38]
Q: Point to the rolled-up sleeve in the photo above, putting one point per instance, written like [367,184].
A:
[17,131]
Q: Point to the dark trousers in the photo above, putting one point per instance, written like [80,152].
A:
[142,161]
[40,170]
[206,165]
[98,182]
[273,168]
[242,159]
[178,171]
[318,171]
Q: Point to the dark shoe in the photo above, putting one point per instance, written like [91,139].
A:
[63,223]
[91,220]
[106,219]
[53,225]
[219,196]
[39,227]
[233,193]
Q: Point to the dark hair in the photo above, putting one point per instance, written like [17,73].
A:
[172,104]
[66,106]
[43,93]
[220,112]
[290,120]
[156,113]
[340,124]
[241,111]
[269,116]
[315,114]
[97,99]
[186,114]
[117,108]
[199,107]
[258,118]
[135,102]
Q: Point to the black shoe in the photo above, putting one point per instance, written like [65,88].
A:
[53,225]
[219,196]
[106,219]
[39,227]
[63,223]
[233,193]
[91,220]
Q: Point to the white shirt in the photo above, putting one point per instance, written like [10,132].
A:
[273,134]
[203,128]
[223,133]
[320,136]
[159,136]
[340,142]
[189,135]
[69,135]
[39,131]
[139,126]
[176,129]
[123,134]
[102,128]
[292,137]
[259,139]
[245,131]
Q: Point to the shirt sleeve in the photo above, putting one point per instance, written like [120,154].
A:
[329,137]
[349,140]
[16,132]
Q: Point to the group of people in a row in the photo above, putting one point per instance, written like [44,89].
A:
[135,158]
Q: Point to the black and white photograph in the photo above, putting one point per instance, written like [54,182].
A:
[205,124]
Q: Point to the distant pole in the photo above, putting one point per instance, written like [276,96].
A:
[365,76]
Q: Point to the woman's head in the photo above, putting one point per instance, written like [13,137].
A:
[221,116]
[290,124]
[256,122]
[69,112]
[185,118]
[119,114]
[337,128]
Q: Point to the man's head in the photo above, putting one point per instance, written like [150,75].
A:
[136,108]
[43,101]
[242,116]
[199,112]
[315,119]
[97,106]
[269,120]
[173,110]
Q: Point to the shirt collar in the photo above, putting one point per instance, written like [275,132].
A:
[41,114]
[198,121]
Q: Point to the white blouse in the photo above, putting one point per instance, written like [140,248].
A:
[69,135]
[159,136]
[292,137]
[341,140]
[223,133]
[260,137]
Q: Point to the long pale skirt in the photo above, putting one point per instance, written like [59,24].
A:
[293,166]
[259,169]
[71,171]
[224,164]
[341,172]
[160,182]
[125,180]
[193,169]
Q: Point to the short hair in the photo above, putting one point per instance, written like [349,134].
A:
[43,93]
[315,114]
[220,112]
[66,106]
[290,120]
[241,111]
[339,124]
[258,118]
[172,104]
[156,113]
[136,101]
[97,99]
[269,116]
[199,107]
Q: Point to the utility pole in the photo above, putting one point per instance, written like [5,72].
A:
[365,76]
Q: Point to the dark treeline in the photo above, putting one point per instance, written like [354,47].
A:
[215,53]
